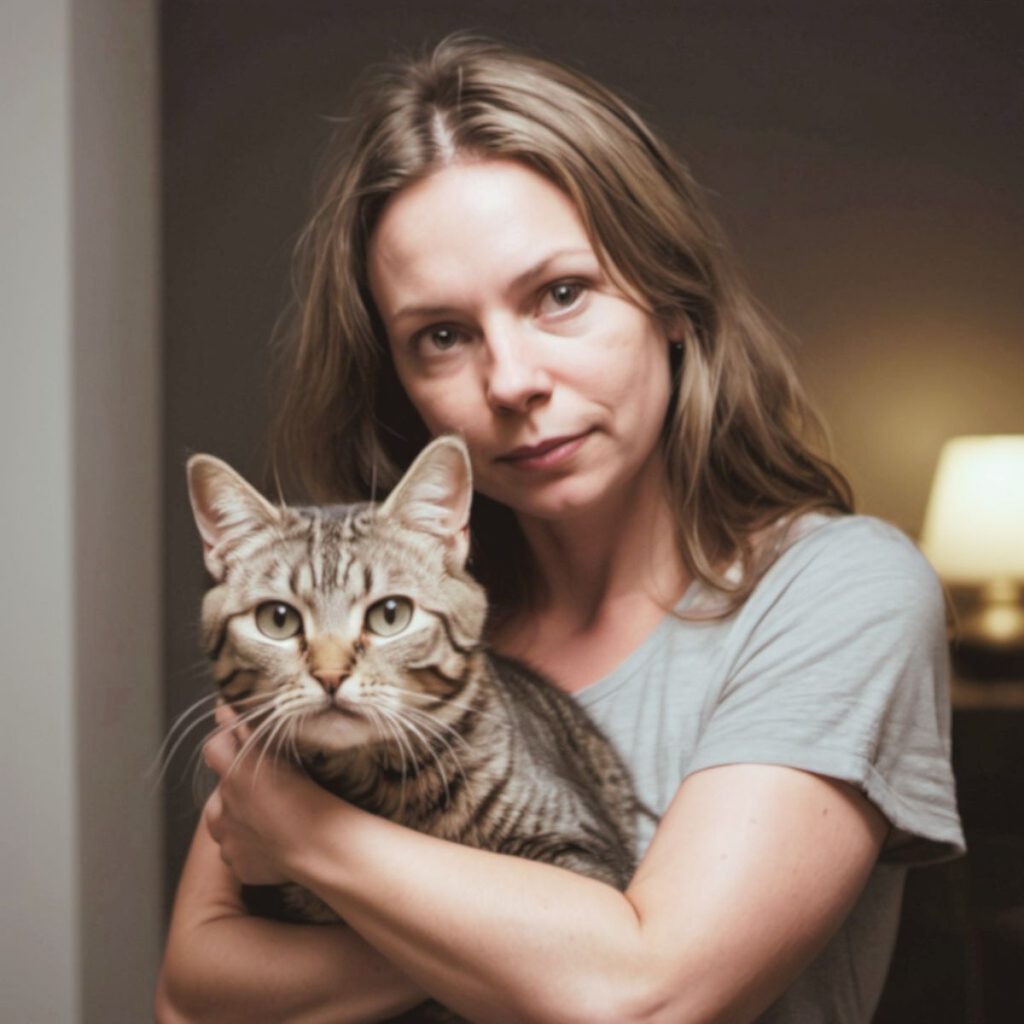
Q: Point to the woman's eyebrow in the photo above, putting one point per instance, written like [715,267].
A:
[538,269]
[542,266]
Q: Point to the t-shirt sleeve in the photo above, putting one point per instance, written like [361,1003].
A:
[839,665]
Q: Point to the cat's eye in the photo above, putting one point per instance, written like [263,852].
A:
[278,620]
[389,616]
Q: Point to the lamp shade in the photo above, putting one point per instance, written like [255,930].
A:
[974,526]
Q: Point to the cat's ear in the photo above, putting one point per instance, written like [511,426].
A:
[435,494]
[227,509]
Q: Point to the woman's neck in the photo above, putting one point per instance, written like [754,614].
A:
[605,579]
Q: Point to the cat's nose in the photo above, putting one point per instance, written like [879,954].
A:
[329,680]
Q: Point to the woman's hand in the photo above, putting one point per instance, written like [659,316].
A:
[256,796]
[223,965]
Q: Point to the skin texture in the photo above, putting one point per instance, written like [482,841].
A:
[752,867]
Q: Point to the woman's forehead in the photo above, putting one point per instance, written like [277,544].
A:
[494,220]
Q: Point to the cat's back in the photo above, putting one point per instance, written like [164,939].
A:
[561,738]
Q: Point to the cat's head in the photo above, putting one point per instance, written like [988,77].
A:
[337,626]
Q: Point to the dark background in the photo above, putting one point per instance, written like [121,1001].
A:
[865,159]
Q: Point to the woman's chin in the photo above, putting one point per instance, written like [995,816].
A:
[566,502]
[592,493]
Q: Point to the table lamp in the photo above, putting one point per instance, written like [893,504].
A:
[974,537]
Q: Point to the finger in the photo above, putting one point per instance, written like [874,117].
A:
[228,720]
[220,751]
[225,716]
[213,815]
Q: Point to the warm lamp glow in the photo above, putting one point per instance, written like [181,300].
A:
[974,527]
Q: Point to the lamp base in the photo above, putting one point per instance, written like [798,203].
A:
[987,663]
[988,641]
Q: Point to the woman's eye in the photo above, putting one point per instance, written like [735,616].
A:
[441,338]
[560,296]
[278,620]
[389,616]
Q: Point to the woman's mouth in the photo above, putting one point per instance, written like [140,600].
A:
[547,454]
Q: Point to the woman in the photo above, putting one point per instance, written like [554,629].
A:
[505,251]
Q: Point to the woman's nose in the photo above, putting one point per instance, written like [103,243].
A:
[516,378]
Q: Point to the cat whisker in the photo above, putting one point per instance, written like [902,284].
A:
[293,741]
[194,669]
[288,746]
[435,726]
[279,729]
[433,732]
[203,781]
[256,739]
[404,744]
[256,742]
[438,731]
[385,728]
[484,716]
[171,743]
[274,737]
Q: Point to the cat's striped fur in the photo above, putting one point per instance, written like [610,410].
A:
[424,726]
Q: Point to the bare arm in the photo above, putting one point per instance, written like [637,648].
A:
[221,965]
[751,871]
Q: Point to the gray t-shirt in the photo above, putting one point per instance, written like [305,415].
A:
[836,664]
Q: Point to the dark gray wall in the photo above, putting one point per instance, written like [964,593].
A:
[865,158]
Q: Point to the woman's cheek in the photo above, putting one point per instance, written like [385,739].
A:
[443,405]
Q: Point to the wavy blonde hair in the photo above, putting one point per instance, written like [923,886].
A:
[741,443]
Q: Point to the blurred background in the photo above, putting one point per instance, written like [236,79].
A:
[865,159]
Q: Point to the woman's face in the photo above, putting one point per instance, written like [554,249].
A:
[504,327]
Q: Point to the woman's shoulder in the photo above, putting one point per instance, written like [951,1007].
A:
[859,547]
[826,561]
[837,664]
[851,567]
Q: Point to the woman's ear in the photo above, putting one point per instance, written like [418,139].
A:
[435,495]
[678,329]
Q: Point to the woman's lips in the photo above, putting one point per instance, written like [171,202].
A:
[546,454]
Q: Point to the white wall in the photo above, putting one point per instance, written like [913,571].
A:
[79,515]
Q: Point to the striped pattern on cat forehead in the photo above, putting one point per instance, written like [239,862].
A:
[340,550]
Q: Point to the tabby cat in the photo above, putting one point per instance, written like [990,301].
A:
[349,637]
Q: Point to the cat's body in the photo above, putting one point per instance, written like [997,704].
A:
[520,773]
[350,638]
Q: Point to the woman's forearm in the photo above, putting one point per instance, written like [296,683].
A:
[727,907]
[729,904]
[222,965]
[497,938]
